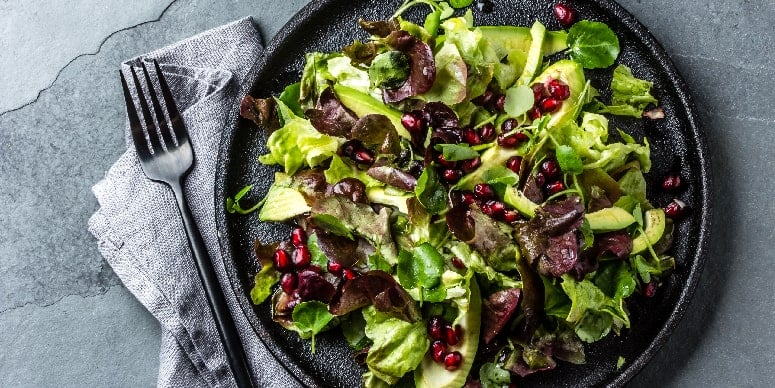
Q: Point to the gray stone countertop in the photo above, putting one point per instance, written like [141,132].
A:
[66,319]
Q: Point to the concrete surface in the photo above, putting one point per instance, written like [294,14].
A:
[65,318]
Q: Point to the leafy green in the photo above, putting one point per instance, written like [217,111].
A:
[421,269]
[314,78]
[620,362]
[233,205]
[291,96]
[451,76]
[589,142]
[264,280]
[389,70]
[629,95]
[297,144]
[318,257]
[354,330]
[456,152]
[593,313]
[460,3]
[331,224]
[593,44]
[493,376]
[569,160]
[615,279]
[398,346]
[633,184]
[479,56]
[283,201]
[430,192]
[519,100]
[311,318]
[338,169]
[500,175]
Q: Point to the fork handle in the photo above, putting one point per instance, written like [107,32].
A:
[215,298]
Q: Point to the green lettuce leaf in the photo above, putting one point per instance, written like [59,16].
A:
[311,318]
[339,169]
[264,280]
[430,192]
[451,76]
[398,346]
[629,95]
[298,144]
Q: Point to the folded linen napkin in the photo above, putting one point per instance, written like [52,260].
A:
[139,229]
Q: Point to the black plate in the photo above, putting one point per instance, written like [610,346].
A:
[677,141]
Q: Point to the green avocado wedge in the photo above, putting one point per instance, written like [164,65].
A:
[572,74]
[654,228]
[504,39]
[431,374]
[609,219]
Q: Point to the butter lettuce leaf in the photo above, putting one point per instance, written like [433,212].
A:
[629,95]
[398,346]
[298,144]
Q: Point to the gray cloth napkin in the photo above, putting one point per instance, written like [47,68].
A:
[139,229]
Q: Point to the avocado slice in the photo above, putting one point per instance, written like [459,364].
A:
[381,196]
[514,197]
[492,157]
[433,374]
[534,54]
[504,39]
[572,74]
[653,230]
[282,202]
[609,219]
[363,104]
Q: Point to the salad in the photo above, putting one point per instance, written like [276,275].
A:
[462,212]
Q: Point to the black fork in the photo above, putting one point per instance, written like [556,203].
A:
[166,156]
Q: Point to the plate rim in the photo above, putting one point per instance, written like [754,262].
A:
[695,131]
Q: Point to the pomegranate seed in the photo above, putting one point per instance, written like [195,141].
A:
[314,268]
[509,125]
[484,99]
[412,121]
[349,274]
[534,113]
[650,290]
[507,141]
[500,101]
[514,163]
[510,216]
[364,157]
[450,335]
[550,168]
[487,132]
[452,361]
[459,264]
[350,147]
[672,182]
[539,91]
[301,257]
[471,164]
[484,191]
[459,332]
[281,261]
[675,209]
[564,14]
[468,198]
[540,179]
[558,89]
[554,187]
[471,137]
[549,105]
[451,175]
[298,236]
[438,351]
[436,328]
[288,282]
[487,209]
[335,268]
[497,208]
[444,162]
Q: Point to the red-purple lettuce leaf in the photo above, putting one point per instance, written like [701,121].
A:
[377,132]
[261,111]
[380,28]
[313,286]
[422,72]
[474,228]
[330,117]
[546,241]
[497,311]
[617,244]
[380,289]
[393,176]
